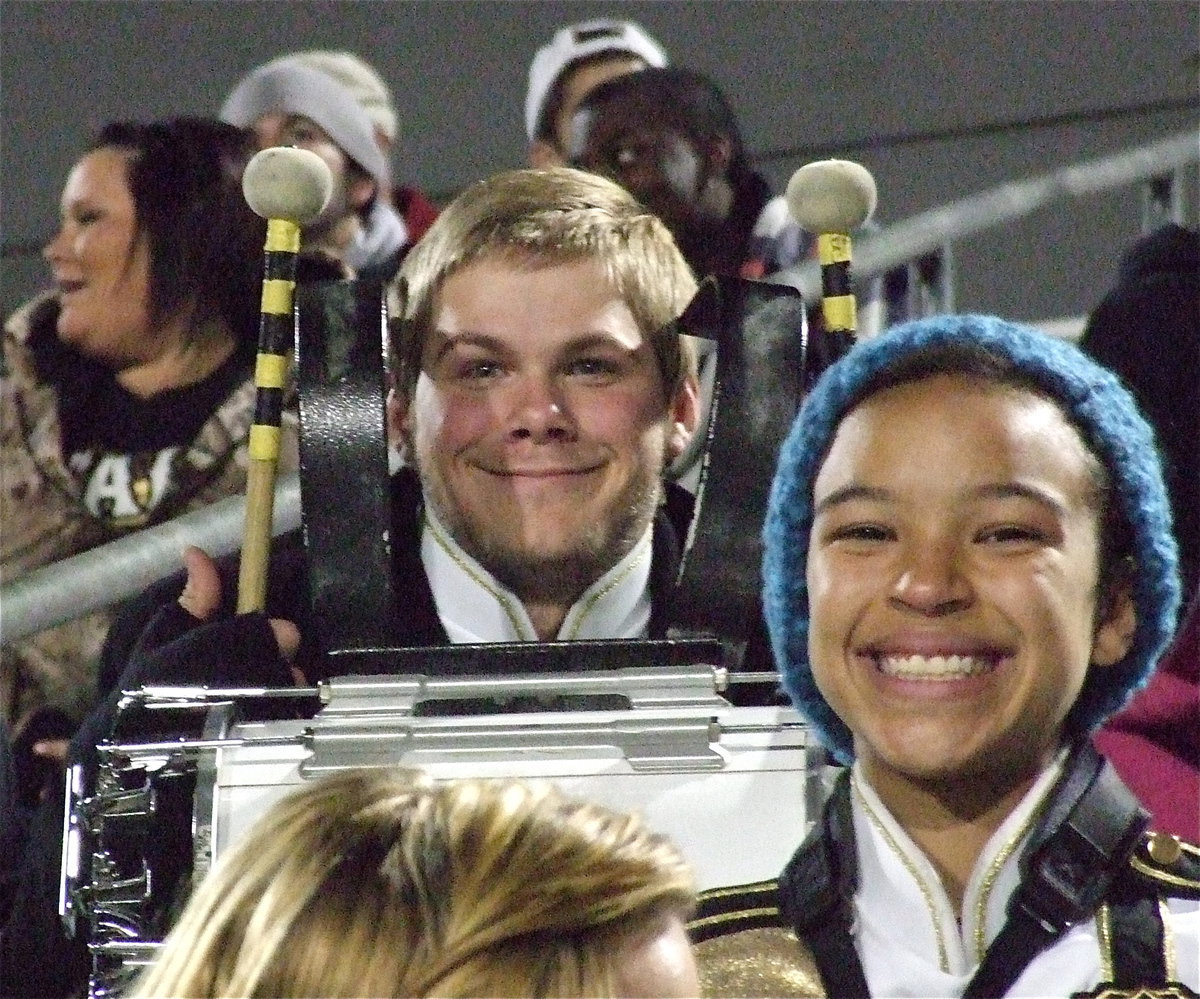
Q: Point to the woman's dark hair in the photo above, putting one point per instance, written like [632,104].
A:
[205,244]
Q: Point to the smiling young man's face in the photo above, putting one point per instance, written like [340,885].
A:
[952,575]
[540,424]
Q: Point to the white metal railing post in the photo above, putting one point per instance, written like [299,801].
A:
[908,239]
[1162,200]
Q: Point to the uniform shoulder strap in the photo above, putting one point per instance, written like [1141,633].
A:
[1139,945]
[749,940]
[817,892]
[1077,853]
[735,908]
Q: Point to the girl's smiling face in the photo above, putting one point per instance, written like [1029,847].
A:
[953,581]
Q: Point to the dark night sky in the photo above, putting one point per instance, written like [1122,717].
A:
[805,75]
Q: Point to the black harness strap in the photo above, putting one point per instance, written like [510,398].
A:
[344,464]
[837,960]
[1079,849]
[1138,936]
[817,892]
[1069,869]
[760,335]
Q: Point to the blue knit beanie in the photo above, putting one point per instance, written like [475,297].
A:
[1094,401]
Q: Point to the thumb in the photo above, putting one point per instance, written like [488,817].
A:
[202,595]
[287,637]
[52,749]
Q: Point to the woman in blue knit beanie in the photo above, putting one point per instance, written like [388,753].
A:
[1091,400]
[968,566]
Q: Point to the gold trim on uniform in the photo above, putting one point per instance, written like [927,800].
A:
[732,917]
[1164,913]
[591,602]
[1104,991]
[750,889]
[926,892]
[989,882]
[1104,939]
[510,612]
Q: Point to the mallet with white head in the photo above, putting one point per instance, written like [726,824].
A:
[831,198]
[289,187]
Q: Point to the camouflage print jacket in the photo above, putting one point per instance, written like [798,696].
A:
[55,505]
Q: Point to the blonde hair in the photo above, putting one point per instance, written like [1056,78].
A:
[383,883]
[539,218]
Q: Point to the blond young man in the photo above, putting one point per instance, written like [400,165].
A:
[384,883]
[541,388]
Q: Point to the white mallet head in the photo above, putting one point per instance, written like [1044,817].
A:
[285,182]
[831,196]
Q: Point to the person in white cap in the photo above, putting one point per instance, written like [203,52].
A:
[375,97]
[287,103]
[577,59]
[363,81]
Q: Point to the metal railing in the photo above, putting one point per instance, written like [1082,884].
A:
[112,572]
[1157,165]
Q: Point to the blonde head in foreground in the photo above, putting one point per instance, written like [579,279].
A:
[383,883]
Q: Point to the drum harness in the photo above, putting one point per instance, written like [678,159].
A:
[1078,854]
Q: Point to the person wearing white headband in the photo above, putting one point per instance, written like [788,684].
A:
[288,102]
[576,60]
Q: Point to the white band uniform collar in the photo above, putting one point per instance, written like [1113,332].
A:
[474,606]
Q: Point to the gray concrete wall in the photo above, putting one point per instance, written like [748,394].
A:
[809,78]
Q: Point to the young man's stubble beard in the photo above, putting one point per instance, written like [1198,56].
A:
[560,577]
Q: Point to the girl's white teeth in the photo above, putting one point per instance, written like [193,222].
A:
[933,667]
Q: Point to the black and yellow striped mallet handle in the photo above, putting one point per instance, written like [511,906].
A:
[288,187]
[832,198]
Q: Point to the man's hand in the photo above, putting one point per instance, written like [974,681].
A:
[201,598]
